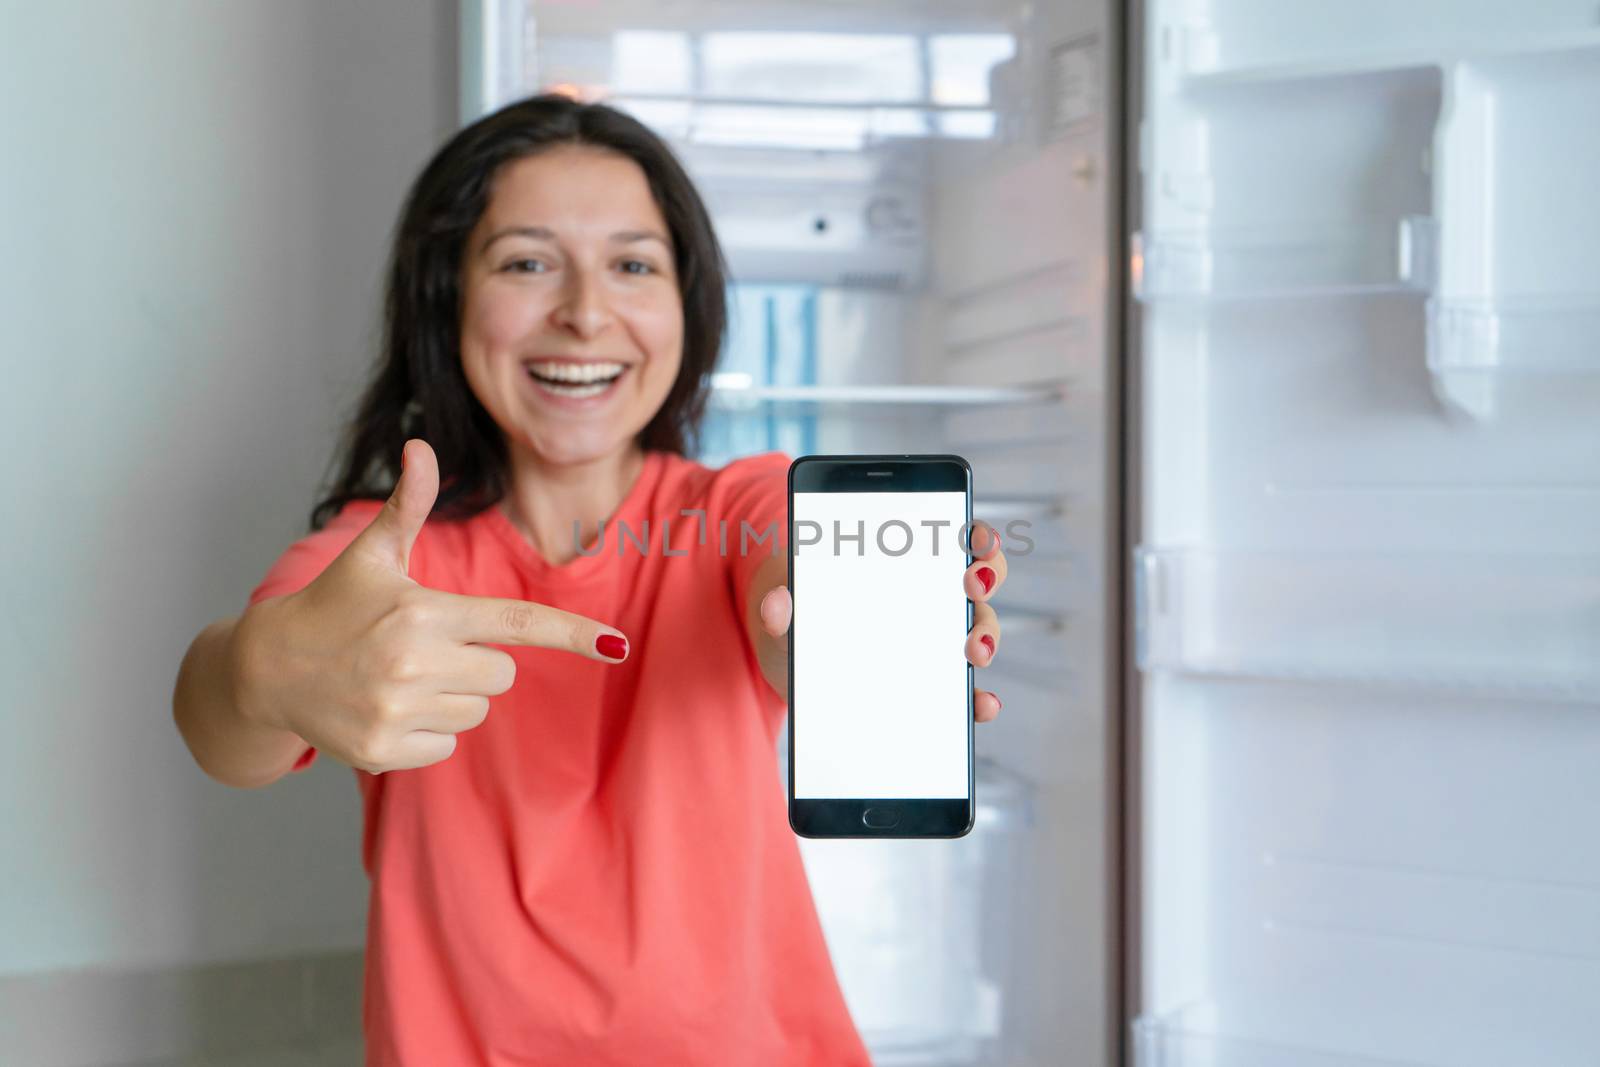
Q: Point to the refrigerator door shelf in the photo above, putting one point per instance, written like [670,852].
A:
[1514,188]
[1512,627]
[1267,40]
[1474,346]
[1239,264]
[1205,78]
[1171,1042]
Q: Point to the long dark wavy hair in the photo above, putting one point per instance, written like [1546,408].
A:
[418,387]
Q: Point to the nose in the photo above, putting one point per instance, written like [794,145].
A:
[584,308]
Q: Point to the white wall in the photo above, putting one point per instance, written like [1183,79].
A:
[195,200]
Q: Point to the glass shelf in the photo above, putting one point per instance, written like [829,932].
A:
[1260,263]
[1172,1041]
[1007,508]
[736,394]
[1017,619]
[1485,626]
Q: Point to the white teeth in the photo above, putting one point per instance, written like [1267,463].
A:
[556,370]
[576,390]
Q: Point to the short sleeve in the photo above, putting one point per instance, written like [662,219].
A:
[754,502]
[308,557]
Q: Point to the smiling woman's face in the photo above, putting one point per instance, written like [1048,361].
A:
[571,318]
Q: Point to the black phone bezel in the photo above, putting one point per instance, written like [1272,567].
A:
[939,817]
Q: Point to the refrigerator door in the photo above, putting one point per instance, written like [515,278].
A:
[916,199]
[1368,564]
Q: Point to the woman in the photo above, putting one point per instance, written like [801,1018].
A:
[600,871]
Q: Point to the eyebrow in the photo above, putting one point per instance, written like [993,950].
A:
[544,233]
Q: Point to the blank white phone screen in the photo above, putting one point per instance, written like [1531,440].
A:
[880,624]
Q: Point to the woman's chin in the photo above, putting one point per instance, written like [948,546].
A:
[575,446]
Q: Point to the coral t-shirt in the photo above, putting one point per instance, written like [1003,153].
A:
[602,873]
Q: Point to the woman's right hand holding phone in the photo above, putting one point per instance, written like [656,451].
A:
[378,671]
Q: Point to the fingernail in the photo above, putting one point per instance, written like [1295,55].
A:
[611,646]
[986,577]
[996,701]
[402,457]
[988,642]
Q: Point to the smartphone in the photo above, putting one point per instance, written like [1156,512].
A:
[880,690]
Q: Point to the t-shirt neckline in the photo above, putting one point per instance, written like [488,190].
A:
[631,510]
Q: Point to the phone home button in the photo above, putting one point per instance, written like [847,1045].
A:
[880,818]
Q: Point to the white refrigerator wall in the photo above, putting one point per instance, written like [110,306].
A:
[1369,579]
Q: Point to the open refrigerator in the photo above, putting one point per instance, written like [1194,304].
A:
[1367,573]
[1270,329]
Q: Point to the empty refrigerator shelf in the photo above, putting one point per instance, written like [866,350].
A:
[1491,626]
[737,393]
[1072,325]
[1172,1041]
[1202,72]
[1262,263]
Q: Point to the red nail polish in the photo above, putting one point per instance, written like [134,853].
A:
[611,646]
[987,642]
[986,578]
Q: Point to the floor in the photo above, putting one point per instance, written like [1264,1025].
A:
[336,1054]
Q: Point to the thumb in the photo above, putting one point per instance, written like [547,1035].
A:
[394,529]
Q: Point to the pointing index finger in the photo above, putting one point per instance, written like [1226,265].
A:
[502,621]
